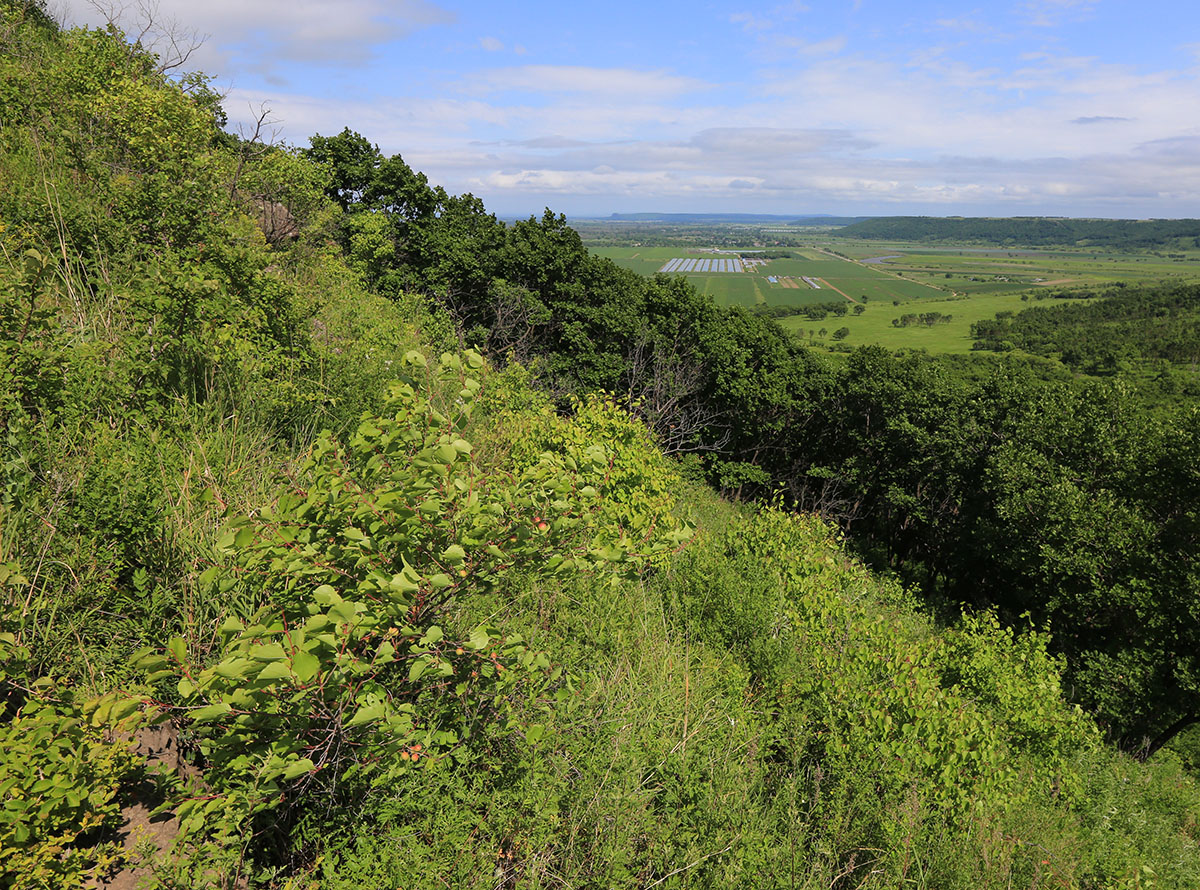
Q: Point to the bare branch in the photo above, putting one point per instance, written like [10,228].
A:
[665,389]
[255,145]
[172,42]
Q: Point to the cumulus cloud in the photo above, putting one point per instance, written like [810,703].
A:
[1101,119]
[618,82]
[341,34]
[1052,13]
[759,143]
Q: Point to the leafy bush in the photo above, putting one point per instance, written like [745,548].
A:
[351,674]
[59,778]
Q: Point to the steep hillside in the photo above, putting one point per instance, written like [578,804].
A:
[402,613]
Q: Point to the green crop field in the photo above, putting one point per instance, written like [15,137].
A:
[853,280]
[893,279]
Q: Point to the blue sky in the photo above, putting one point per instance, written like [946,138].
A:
[1059,107]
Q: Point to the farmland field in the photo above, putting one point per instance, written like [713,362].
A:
[838,278]
[895,279]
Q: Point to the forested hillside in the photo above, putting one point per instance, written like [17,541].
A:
[350,537]
[1126,327]
[1044,231]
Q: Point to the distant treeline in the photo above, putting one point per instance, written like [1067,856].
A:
[811,311]
[928,319]
[705,218]
[766,254]
[1129,324]
[829,221]
[1032,230]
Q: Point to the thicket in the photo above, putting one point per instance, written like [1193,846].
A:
[418,617]
[926,319]
[811,311]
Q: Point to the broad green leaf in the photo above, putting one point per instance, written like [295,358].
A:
[326,594]
[122,708]
[298,768]
[479,639]
[211,712]
[267,652]
[276,670]
[344,611]
[367,714]
[234,668]
[306,665]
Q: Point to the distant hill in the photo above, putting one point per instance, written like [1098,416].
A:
[792,220]
[1183,233]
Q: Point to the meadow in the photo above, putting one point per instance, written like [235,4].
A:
[875,326]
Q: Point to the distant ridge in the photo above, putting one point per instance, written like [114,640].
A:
[1047,230]
[808,219]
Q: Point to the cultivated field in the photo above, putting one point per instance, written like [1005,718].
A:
[894,279]
[780,282]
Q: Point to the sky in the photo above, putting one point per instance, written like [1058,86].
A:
[848,107]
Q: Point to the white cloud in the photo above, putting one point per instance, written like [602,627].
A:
[1052,13]
[748,144]
[968,22]
[618,82]
[491,44]
[751,22]
[341,34]
[829,46]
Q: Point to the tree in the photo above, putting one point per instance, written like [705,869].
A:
[352,162]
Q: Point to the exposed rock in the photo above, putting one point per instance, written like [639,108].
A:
[275,220]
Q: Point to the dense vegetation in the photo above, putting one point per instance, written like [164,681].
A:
[420,614]
[1125,326]
[923,318]
[811,311]
[943,476]
[1122,233]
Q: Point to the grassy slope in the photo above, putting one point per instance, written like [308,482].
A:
[755,713]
